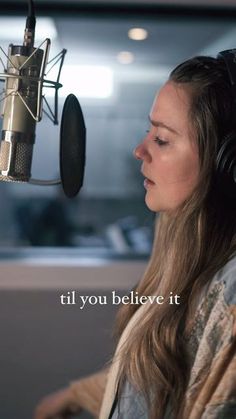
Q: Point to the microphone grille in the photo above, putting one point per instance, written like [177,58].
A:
[4,155]
[23,159]
[15,159]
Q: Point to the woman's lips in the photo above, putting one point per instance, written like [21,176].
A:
[148,183]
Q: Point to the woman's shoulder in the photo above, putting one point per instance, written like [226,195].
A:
[220,292]
[215,317]
[225,279]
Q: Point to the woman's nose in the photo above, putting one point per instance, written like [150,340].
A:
[140,152]
[137,152]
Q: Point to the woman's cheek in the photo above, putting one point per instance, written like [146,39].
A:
[180,168]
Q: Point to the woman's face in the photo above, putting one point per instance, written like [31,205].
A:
[170,162]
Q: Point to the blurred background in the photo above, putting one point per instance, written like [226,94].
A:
[119,54]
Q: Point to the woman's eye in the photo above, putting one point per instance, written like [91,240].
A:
[160,142]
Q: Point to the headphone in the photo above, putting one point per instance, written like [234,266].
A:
[226,156]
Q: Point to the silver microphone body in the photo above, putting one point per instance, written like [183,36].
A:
[19,109]
[23,103]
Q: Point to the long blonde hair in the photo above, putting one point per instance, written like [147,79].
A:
[190,246]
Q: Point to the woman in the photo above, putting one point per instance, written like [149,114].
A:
[178,360]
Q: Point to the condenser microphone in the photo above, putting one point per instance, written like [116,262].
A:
[20,111]
[22,108]
[19,108]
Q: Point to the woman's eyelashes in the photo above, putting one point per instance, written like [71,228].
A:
[158,140]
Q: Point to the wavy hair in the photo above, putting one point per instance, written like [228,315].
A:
[190,246]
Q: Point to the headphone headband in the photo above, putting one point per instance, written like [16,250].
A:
[229,58]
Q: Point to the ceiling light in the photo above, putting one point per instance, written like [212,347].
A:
[125,57]
[137,34]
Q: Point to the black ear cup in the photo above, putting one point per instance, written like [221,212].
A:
[226,166]
[226,157]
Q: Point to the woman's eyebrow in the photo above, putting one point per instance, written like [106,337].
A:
[162,125]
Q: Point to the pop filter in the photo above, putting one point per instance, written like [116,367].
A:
[72,146]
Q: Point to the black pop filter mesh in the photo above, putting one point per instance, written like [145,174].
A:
[72,146]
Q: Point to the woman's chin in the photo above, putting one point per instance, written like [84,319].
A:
[152,204]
